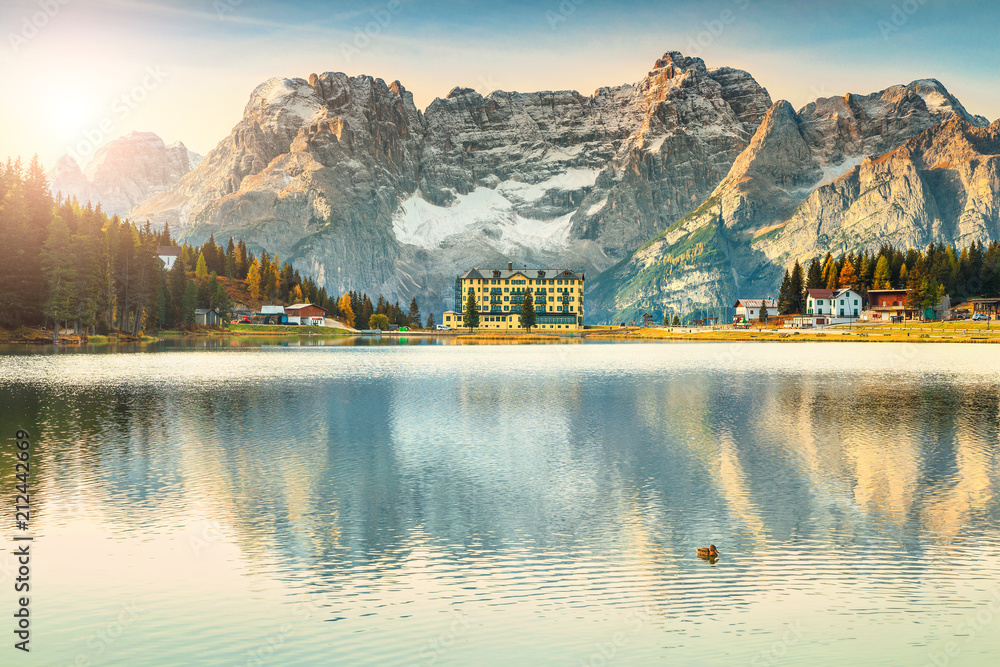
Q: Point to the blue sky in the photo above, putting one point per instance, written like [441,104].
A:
[186,67]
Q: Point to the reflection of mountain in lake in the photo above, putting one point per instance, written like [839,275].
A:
[565,478]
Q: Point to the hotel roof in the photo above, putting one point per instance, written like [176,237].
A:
[534,274]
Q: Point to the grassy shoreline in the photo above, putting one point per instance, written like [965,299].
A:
[930,332]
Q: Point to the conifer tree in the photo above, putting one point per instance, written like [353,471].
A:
[346,310]
[201,269]
[414,313]
[430,321]
[677,321]
[528,312]
[189,302]
[253,283]
[883,278]
[830,273]
[762,315]
[814,278]
[796,289]
[60,274]
[848,278]
[470,318]
[784,294]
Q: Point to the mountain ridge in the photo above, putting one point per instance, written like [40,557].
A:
[741,225]
[347,179]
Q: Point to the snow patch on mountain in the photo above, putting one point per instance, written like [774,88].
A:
[570,180]
[420,223]
[833,172]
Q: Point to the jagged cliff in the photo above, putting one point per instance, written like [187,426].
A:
[344,177]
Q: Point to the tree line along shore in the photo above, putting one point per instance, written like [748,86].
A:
[71,266]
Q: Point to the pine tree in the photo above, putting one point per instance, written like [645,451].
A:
[201,269]
[189,301]
[814,277]
[914,297]
[848,277]
[222,302]
[528,312]
[60,274]
[830,273]
[676,321]
[430,321]
[796,289]
[253,283]
[883,278]
[470,318]
[346,310]
[784,294]
[414,313]
[762,316]
[864,274]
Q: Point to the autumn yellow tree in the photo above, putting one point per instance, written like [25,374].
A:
[848,277]
[201,269]
[830,274]
[253,282]
[347,313]
[883,275]
[296,295]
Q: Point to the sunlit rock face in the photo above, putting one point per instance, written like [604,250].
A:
[124,172]
[347,179]
[840,175]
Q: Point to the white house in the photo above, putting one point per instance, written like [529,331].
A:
[168,254]
[830,306]
[749,309]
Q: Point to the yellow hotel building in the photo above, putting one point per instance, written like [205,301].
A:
[558,297]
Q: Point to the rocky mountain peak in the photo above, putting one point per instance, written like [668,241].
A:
[459,91]
[677,62]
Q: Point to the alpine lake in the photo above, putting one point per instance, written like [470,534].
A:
[355,501]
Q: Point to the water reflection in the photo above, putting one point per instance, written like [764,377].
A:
[545,493]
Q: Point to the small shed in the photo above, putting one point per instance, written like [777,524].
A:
[208,317]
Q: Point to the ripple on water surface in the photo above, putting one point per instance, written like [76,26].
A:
[517,504]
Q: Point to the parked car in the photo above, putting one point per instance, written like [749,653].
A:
[443,327]
[980,316]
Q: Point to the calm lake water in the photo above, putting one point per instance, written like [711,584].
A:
[508,505]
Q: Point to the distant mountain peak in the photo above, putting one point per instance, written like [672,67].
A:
[123,172]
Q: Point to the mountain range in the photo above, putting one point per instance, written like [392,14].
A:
[686,189]
[124,172]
